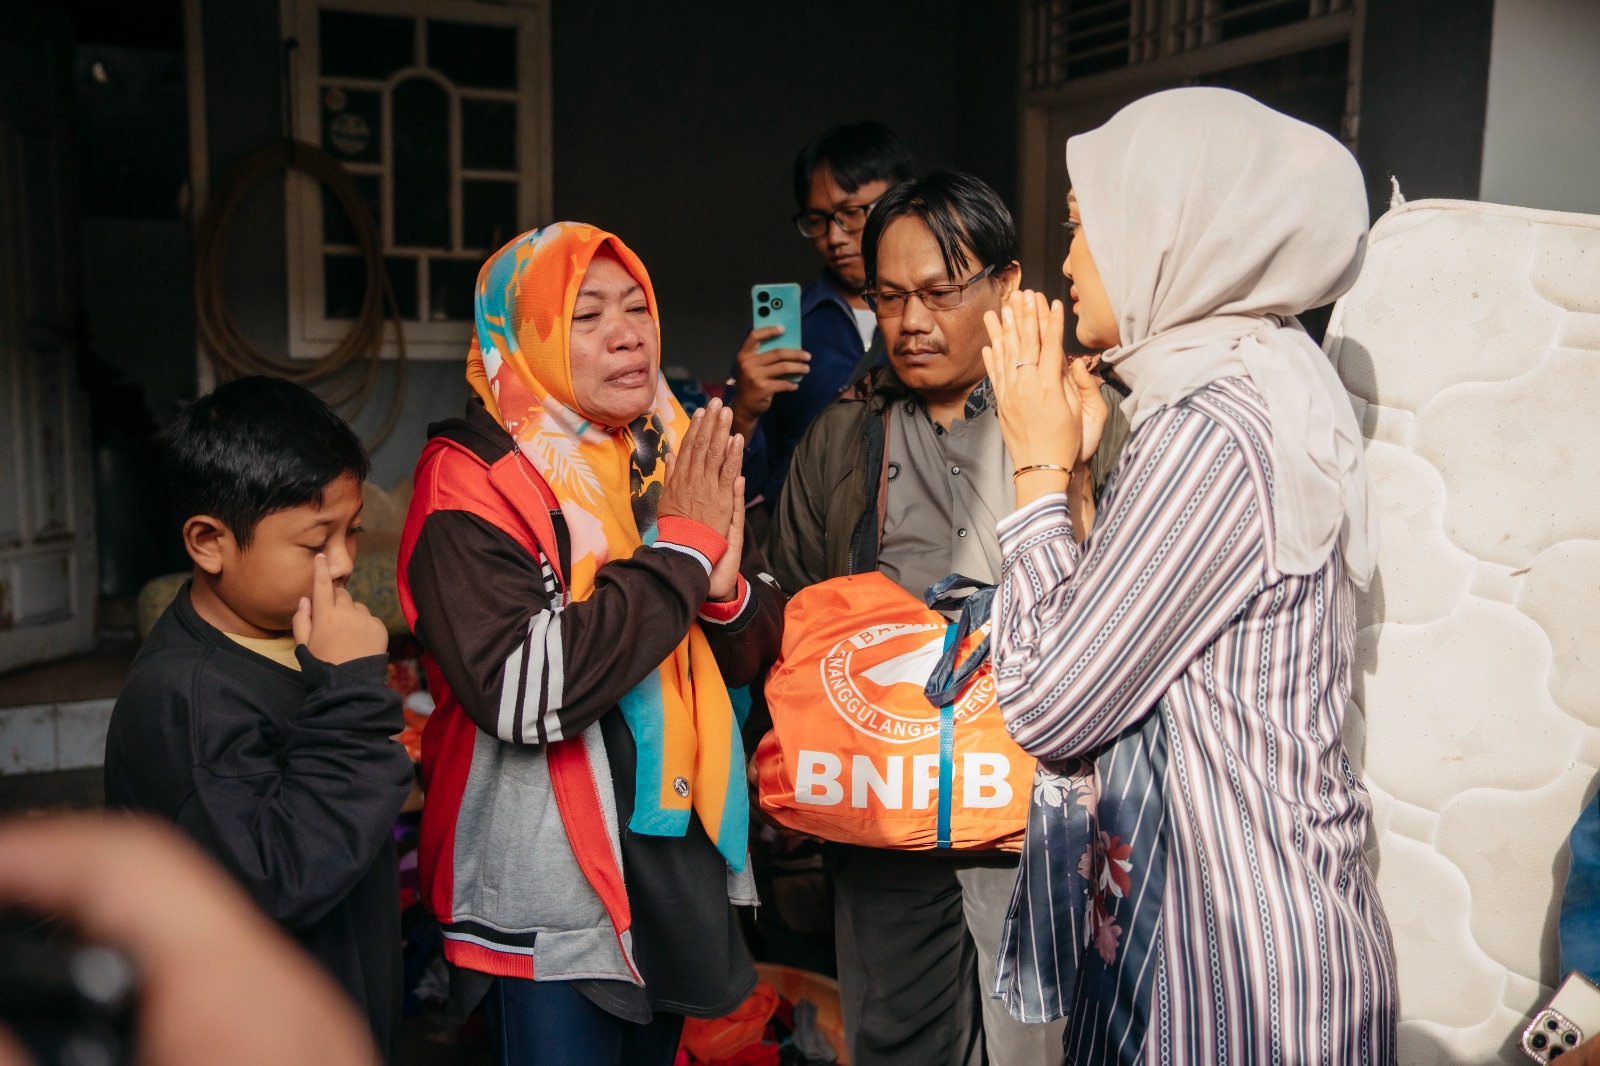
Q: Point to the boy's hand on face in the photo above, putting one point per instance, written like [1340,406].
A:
[332,625]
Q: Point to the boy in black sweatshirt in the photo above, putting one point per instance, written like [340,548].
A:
[256,717]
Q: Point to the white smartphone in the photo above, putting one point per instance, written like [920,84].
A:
[1572,1013]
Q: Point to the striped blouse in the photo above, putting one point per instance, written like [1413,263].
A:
[1272,946]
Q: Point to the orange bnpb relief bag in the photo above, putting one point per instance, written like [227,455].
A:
[885,730]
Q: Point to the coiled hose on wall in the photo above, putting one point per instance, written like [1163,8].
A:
[346,375]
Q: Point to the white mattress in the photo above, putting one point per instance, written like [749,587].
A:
[1472,344]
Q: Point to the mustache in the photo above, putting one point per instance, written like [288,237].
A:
[904,348]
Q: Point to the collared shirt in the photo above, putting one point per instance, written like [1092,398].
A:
[1272,944]
[828,331]
[947,491]
[866,325]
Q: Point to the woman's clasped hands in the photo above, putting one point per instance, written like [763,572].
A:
[1050,406]
[703,483]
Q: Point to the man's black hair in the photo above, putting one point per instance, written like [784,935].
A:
[256,446]
[962,212]
[856,154]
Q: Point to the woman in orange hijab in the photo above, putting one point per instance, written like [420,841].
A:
[574,565]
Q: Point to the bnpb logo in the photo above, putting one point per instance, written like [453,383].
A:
[874,680]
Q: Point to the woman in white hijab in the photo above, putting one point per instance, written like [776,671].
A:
[1194,888]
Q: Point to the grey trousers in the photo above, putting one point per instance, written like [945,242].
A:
[918,934]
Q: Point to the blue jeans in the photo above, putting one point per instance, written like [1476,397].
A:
[550,1023]
[1580,903]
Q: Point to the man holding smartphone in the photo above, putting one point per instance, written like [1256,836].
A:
[838,177]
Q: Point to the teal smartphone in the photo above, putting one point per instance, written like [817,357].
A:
[777,305]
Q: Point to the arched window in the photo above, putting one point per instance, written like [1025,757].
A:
[440,109]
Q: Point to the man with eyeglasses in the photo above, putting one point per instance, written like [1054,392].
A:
[837,179]
[910,476]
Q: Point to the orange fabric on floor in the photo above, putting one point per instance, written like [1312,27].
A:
[710,1039]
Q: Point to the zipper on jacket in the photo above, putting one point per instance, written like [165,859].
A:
[866,511]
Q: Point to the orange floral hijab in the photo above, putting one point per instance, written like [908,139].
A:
[607,480]
[521,365]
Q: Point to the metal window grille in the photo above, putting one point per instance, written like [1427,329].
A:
[1069,39]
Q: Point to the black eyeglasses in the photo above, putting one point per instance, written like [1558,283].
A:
[851,218]
[890,303]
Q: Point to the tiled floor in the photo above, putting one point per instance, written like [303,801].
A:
[98,675]
[65,789]
[53,721]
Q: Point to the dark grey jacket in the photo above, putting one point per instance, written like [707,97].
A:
[829,518]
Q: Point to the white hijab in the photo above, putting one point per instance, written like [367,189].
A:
[1214,220]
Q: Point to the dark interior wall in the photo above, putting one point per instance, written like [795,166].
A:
[988,104]
[1424,96]
[243,56]
[136,343]
[133,165]
[673,125]
[244,74]
[131,142]
[676,128]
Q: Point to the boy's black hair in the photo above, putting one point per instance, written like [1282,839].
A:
[856,154]
[256,446]
[962,212]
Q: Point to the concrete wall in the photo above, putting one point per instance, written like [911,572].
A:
[674,126]
[1541,140]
